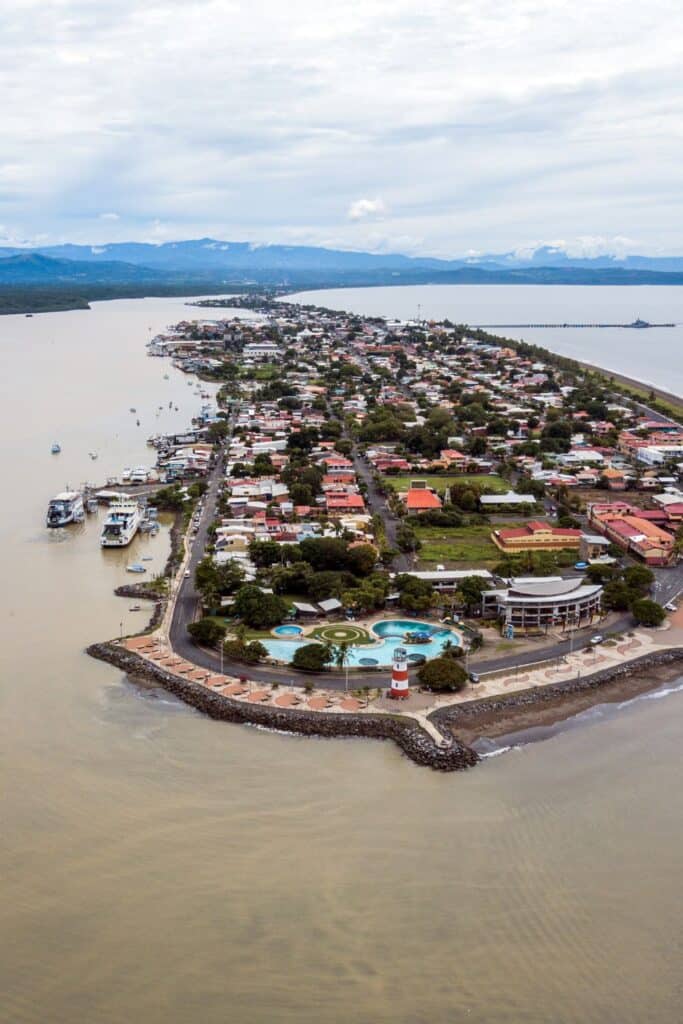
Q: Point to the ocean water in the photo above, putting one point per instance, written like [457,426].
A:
[653,355]
[161,867]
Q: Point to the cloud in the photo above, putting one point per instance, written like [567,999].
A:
[268,122]
[109,216]
[361,209]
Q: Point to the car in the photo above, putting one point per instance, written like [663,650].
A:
[670,606]
[473,677]
[597,639]
[187,574]
[580,565]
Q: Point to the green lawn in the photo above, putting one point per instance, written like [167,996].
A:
[488,484]
[470,544]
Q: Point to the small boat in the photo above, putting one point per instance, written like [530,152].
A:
[93,455]
[133,409]
[146,558]
[28,314]
[92,505]
[135,567]
[166,377]
[137,423]
[56,448]
[135,608]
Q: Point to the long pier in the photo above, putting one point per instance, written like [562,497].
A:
[634,326]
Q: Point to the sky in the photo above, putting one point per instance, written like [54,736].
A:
[437,128]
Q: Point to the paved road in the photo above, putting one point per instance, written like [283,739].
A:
[378,506]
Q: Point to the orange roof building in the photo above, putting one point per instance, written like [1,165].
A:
[535,536]
[421,499]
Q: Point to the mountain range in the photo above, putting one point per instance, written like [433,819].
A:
[210,263]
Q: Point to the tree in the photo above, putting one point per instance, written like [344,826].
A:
[639,578]
[443,675]
[265,553]
[312,657]
[647,612]
[407,539]
[257,608]
[470,589]
[206,632]
[361,559]
[341,654]
[239,650]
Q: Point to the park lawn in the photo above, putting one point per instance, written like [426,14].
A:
[488,483]
[470,544]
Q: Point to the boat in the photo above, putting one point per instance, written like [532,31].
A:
[166,377]
[65,508]
[93,455]
[121,524]
[132,408]
[92,505]
[135,608]
[28,314]
[56,448]
[146,558]
[135,567]
[125,476]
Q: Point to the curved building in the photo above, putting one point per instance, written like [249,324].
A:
[542,603]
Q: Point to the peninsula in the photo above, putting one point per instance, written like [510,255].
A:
[397,529]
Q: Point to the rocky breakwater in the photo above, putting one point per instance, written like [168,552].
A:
[413,740]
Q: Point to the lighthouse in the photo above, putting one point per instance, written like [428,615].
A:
[399,675]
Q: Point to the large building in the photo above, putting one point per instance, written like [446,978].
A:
[628,528]
[535,536]
[542,603]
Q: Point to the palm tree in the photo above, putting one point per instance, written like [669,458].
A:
[341,659]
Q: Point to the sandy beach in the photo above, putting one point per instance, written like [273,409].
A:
[494,723]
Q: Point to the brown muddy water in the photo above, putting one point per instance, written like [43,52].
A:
[158,866]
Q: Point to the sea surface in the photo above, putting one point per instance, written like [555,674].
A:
[161,867]
[653,355]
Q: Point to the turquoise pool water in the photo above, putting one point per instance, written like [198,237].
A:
[390,633]
[288,630]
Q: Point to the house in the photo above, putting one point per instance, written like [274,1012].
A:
[421,499]
[615,479]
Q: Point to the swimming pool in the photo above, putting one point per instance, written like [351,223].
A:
[390,633]
[288,630]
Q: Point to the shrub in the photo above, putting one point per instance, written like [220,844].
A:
[443,675]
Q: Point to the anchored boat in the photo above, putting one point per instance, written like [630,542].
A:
[65,508]
[121,524]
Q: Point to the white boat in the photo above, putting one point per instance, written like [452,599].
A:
[125,476]
[135,567]
[65,508]
[121,524]
[56,448]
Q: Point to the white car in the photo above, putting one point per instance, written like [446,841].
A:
[597,639]
[187,574]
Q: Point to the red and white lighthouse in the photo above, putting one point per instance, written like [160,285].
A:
[399,675]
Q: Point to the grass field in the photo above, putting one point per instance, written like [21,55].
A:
[341,632]
[490,484]
[461,544]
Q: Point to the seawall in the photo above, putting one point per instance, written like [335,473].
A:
[412,739]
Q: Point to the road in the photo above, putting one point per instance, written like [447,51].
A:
[378,506]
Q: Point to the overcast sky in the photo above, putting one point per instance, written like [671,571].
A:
[431,127]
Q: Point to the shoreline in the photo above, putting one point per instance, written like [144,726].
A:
[511,726]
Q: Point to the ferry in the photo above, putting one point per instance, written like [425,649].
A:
[65,508]
[121,524]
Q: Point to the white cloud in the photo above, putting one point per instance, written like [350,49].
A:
[109,216]
[361,209]
[479,126]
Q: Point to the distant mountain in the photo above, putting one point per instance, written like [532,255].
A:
[213,264]
[34,268]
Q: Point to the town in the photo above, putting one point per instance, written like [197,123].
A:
[409,510]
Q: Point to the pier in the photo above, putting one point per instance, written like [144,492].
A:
[637,325]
